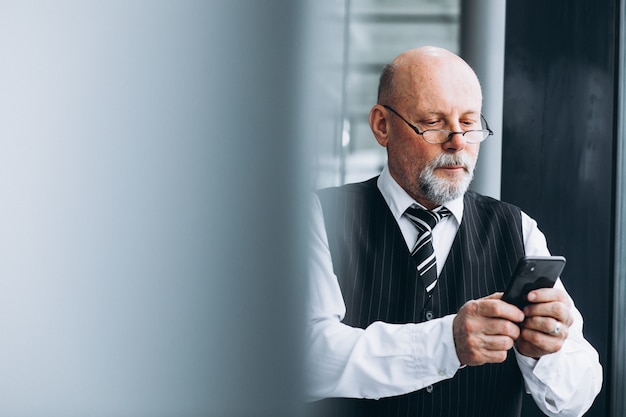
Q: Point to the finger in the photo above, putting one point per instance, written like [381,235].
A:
[544,340]
[485,349]
[494,308]
[541,341]
[556,330]
[556,310]
[529,349]
[498,343]
[477,358]
[546,295]
[494,296]
[545,325]
[501,327]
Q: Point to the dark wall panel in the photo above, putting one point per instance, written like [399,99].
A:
[559,146]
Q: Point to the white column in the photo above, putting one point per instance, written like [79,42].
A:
[482,46]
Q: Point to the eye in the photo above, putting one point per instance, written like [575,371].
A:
[431,123]
[470,124]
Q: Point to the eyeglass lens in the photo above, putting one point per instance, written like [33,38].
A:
[441,136]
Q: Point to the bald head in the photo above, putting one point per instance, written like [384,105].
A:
[427,67]
[428,89]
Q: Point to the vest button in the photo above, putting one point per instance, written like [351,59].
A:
[429,389]
[430,315]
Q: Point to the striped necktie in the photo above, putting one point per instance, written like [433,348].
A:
[423,253]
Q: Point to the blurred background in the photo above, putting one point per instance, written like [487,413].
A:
[156,158]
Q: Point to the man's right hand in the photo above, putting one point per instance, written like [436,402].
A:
[485,329]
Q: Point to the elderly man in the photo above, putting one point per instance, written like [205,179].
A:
[392,336]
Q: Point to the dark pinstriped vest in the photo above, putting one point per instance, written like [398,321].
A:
[379,283]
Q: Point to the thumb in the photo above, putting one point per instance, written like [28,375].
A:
[494,296]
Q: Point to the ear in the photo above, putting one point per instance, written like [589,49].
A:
[379,124]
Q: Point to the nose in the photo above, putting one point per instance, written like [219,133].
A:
[456,142]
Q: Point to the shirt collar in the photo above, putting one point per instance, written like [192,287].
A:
[398,200]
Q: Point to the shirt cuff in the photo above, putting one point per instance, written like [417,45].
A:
[540,374]
[433,350]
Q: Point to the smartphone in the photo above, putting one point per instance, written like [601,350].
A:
[531,273]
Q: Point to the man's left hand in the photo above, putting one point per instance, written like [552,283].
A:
[547,323]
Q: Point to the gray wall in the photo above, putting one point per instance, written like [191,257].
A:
[150,185]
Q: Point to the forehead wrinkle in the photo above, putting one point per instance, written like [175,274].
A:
[449,113]
[439,112]
[436,95]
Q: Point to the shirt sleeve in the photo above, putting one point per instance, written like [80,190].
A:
[381,360]
[564,383]
[386,359]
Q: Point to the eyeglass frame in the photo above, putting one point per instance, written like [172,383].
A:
[451,132]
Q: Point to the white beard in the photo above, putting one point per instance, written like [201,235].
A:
[438,190]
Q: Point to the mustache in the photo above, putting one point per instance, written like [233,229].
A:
[445,160]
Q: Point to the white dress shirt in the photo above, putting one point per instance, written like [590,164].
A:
[386,359]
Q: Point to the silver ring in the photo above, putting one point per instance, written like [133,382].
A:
[557,329]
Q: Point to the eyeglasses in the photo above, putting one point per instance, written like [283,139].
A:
[438,136]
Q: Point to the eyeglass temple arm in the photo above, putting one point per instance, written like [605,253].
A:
[487,125]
